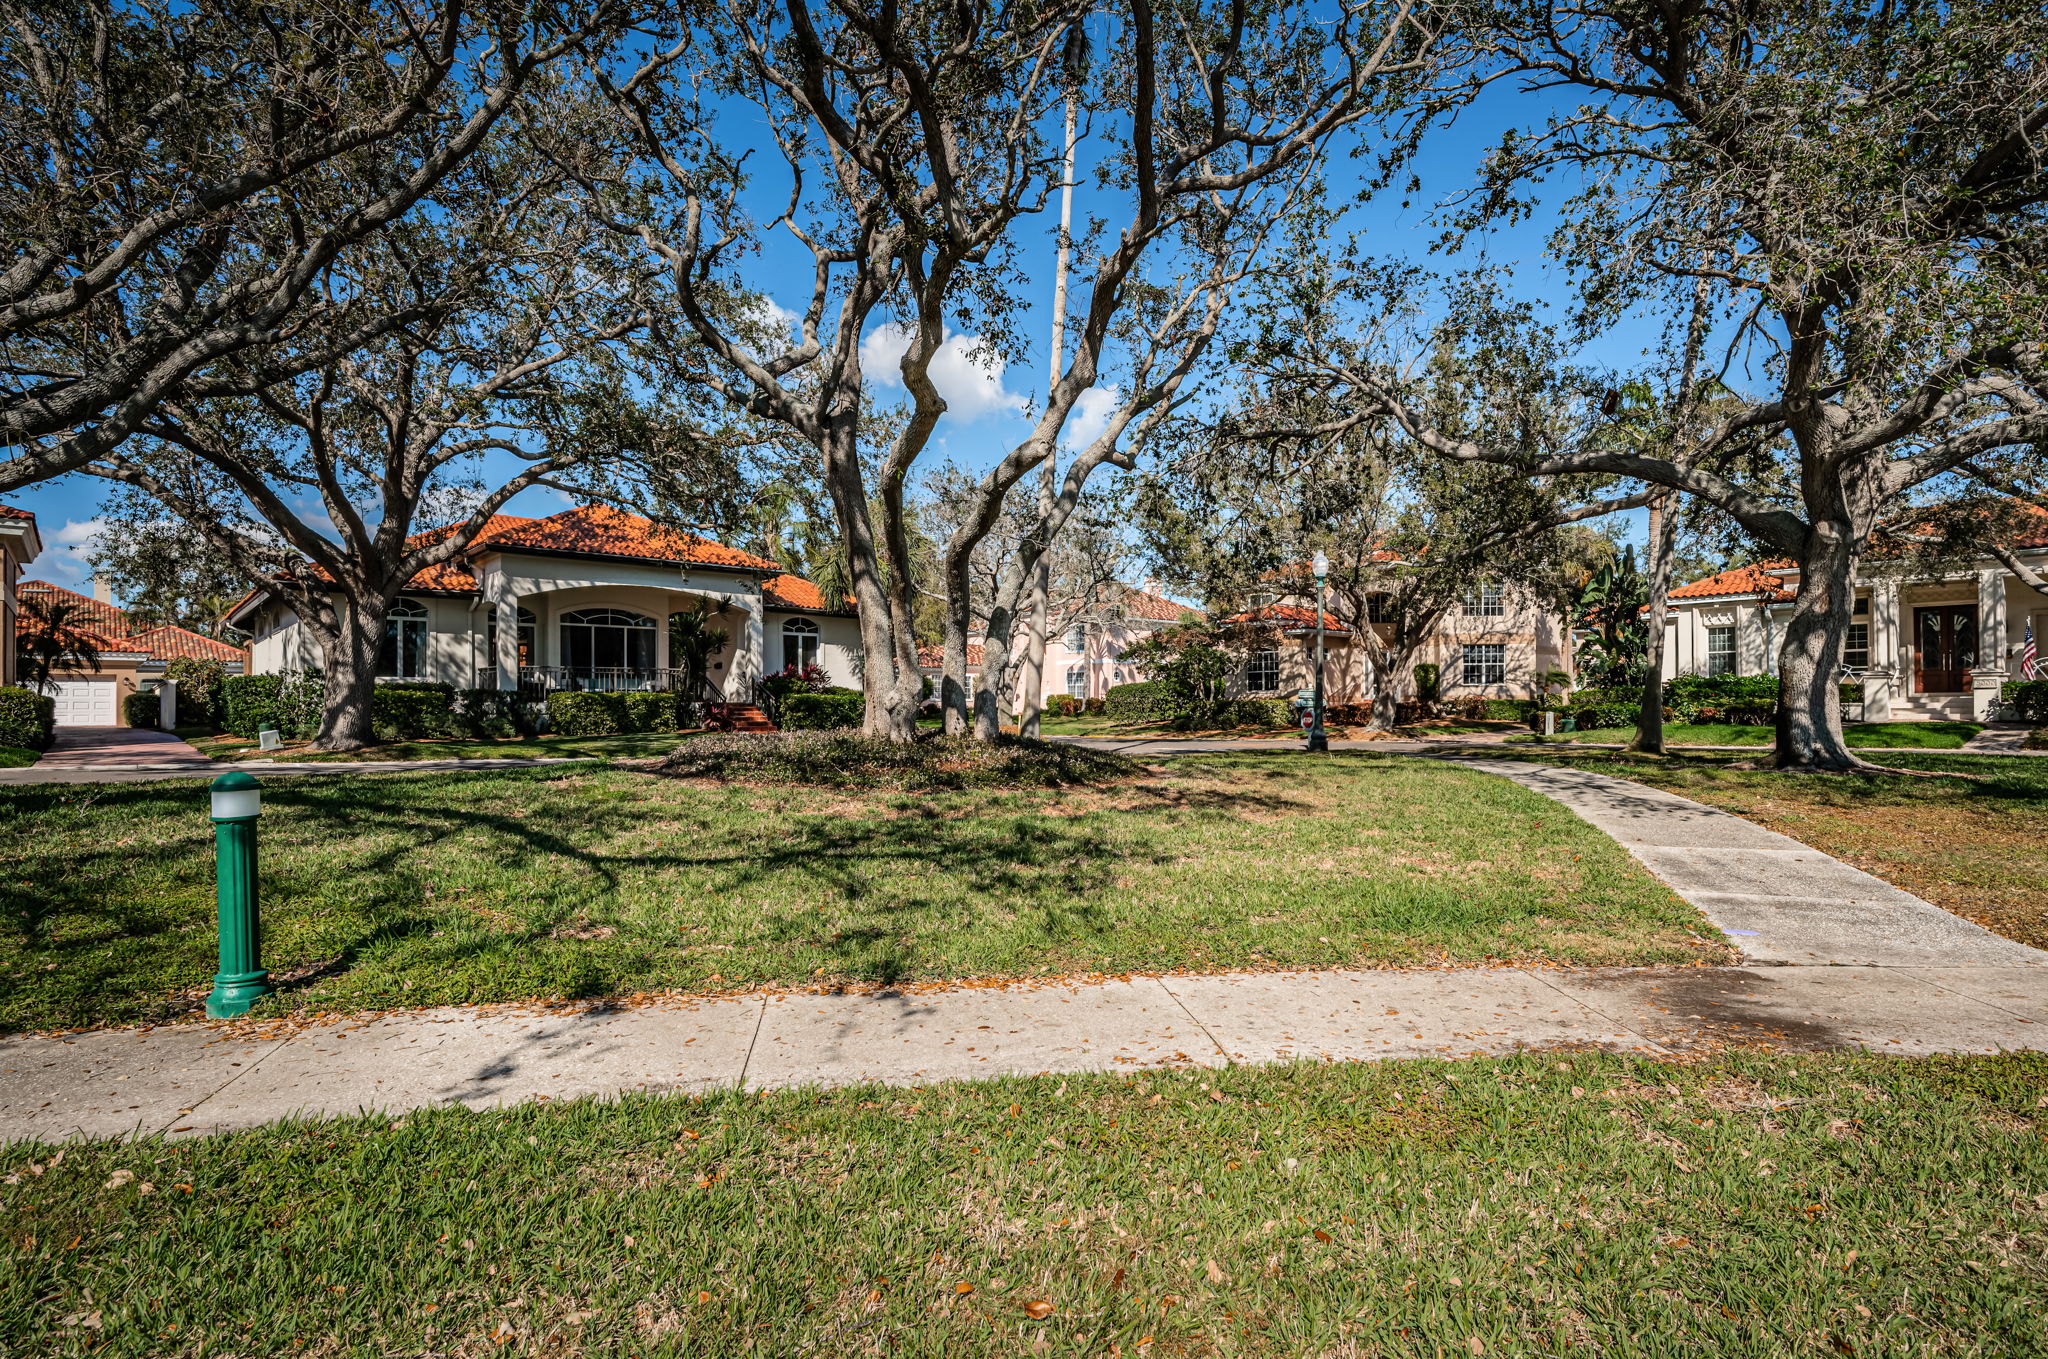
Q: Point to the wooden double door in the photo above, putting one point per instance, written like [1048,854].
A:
[1945,648]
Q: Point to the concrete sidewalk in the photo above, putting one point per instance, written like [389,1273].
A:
[188,1081]
[267,769]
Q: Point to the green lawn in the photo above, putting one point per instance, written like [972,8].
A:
[1911,735]
[14,757]
[582,880]
[644,745]
[1977,846]
[1755,1205]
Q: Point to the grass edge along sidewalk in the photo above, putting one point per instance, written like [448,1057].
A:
[1751,1204]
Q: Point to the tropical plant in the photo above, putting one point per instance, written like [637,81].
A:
[52,637]
[1610,605]
[692,642]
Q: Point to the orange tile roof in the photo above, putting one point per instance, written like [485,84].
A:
[9,512]
[1290,617]
[1143,604]
[794,592]
[603,531]
[934,657]
[112,630]
[1742,580]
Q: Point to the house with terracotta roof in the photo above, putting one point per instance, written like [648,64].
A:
[20,544]
[1084,651]
[132,656]
[1924,647]
[1497,643]
[583,599]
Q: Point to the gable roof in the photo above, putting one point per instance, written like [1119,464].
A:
[1740,582]
[1144,604]
[604,531]
[794,592]
[112,630]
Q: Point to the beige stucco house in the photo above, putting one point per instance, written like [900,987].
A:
[1925,647]
[132,655]
[583,599]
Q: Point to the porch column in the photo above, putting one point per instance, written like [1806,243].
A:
[504,607]
[749,650]
[1881,679]
[1987,677]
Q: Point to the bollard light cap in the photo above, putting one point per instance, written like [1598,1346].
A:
[237,796]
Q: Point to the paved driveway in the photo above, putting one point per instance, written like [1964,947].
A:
[120,748]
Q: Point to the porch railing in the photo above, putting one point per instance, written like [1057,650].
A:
[548,679]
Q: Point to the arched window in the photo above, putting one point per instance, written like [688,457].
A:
[607,639]
[404,652]
[799,643]
[528,630]
[1077,681]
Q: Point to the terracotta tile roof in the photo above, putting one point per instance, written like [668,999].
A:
[1144,604]
[112,630]
[1742,580]
[1290,618]
[9,512]
[601,530]
[794,592]
[934,657]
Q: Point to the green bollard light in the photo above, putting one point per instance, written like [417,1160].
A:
[242,979]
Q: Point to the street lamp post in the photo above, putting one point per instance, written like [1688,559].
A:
[242,979]
[1318,739]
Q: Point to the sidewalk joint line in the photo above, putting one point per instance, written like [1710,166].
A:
[747,1062]
[274,1046]
[1195,1019]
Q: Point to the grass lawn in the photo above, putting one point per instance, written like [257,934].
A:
[14,757]
[644,745]
[398,889]
[1756,1205]
[1906,735]
[1976,846]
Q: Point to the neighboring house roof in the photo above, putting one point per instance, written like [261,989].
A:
[794,592]
[1741,582]
[9,512]
[1138,603]
[934,657]
[1290,618]
[112,631]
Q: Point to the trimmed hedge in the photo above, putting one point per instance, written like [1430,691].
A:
[292,704]
[1255,712]
[585,714]
[658,711]
[1143,701]
[200,695]
[408,710]
[143,709]
[1064,705]
[1723,698]
[1607,713]
[28,720]
[832,709]
[1507,709]
[2028,699]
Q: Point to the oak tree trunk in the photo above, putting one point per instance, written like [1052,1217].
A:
[1810,660]
[349,661]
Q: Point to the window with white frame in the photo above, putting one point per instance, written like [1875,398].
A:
[1077,681]
[799,643]
[1856,647]
[1721,649]
[1077,638]
[606,640]
[404,652]
[1486,601]
[1262,671]
[1485,663]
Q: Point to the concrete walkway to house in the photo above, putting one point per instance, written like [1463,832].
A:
[1834,958]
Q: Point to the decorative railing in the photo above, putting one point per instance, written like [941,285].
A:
[548,679]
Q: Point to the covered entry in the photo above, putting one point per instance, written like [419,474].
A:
[1945,640]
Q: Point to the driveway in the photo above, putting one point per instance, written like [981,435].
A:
[120,748]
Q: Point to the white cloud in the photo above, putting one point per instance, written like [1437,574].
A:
[1089,417]
[970,383]
[63,560]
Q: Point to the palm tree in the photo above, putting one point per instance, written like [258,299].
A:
[53,640]
[692,642]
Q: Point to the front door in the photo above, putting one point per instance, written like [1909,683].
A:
[1946,638]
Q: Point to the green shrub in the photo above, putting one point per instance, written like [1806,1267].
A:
[1253,712]
[843,759]
[658,711]
[2028,699]
[292,704]
[201,698]
[494,713]
[1093,707]
[573,713]
[1063,705]
[1723,698]
[1852,693]
[1606,713]
[1144,701]
[1429,682]
[408,710]
[823,712]
[28,720]
[1507,709]
[143,709]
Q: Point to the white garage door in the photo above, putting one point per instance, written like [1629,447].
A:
[85,703]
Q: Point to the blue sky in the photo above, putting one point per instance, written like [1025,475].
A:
[989,404]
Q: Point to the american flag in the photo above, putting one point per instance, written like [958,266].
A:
[2029,661]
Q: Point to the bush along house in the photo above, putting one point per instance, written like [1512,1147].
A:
[1920,647]
[585,601]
